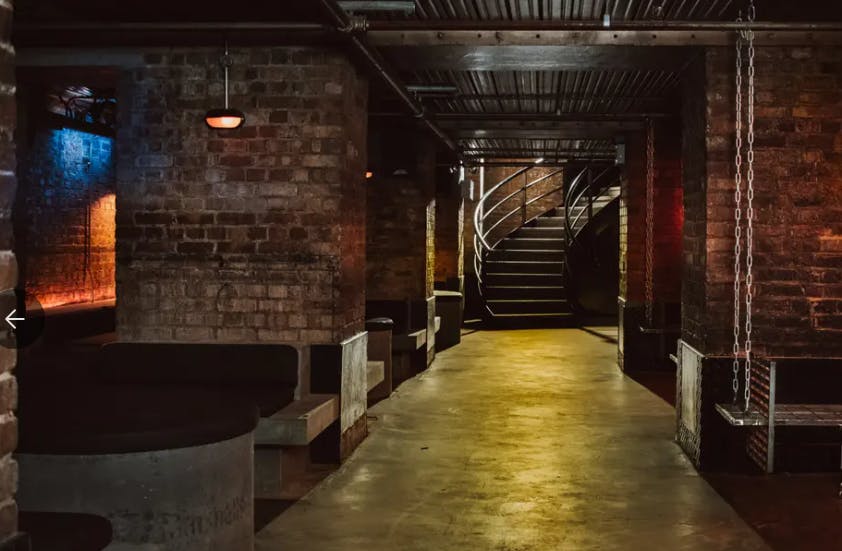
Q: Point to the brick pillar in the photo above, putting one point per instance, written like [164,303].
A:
[8,280]
[401,242]
[798,234]
[250,235]
[450,225]
[636,350]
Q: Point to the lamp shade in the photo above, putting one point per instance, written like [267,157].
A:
[225,118]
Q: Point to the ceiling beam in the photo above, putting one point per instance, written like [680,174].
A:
[468,56]
[387,35]
[533,134]
[573,129]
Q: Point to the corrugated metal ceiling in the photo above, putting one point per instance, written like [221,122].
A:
[548,10]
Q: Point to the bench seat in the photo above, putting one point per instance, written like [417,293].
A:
[409,342]
[299,423]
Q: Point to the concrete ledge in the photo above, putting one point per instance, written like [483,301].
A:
[375,373]
[299,423]
[410,342]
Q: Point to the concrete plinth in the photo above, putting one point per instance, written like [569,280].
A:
[198,498]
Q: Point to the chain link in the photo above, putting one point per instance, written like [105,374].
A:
[738,193]
[749,205]
[650,222]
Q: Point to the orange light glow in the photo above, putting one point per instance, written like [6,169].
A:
[369,175]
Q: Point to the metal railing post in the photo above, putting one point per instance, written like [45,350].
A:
[590,194]
[523,198]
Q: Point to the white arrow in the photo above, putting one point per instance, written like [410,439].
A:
[10,319]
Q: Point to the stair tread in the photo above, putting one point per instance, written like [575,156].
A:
[524,261]
[534,315]
[524,287]
[527,300]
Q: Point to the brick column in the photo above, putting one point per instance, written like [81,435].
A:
[8,279]
[798,234]
[401,241]
[450,226]
[636,350]
[250,235]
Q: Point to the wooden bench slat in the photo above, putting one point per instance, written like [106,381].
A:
[299,422]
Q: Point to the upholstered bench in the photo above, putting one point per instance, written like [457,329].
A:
[170,468]
[64,531]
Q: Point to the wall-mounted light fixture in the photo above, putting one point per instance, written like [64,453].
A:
[226,117]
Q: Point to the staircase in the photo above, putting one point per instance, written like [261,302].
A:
[522,276]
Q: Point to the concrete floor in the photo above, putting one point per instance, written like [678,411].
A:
[515,441]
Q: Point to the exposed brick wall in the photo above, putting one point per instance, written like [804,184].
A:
[493,175]
[8,275]
[694,146]
[65,226]
[798,257]
[450,222]
[668,217]
[401,231]
[255,234]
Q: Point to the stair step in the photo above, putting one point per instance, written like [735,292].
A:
[550,221]
[528,307]
[518,292]
[534,255]
[521,243]
[529,280]
[539,232]
[541,315]
[523,267]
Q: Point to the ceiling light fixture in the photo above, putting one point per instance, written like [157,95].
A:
[226,117]
[539,161]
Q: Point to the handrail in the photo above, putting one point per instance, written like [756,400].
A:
[520,207]
[478,211]
[572,204]
[481,214]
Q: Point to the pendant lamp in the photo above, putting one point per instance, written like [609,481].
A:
[225,118]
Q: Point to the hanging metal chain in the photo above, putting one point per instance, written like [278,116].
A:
[650,222]
[749,203]
[738,199]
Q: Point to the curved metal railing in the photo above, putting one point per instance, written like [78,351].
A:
[579,199]
[481,234]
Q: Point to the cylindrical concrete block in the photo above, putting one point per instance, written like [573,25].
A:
[197,498]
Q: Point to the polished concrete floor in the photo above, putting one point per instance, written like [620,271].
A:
[515,441]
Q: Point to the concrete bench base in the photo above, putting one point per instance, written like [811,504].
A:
[374,374]
[198,498]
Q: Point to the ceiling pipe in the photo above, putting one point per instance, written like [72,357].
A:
[346,25]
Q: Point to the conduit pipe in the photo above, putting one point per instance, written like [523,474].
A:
[346,25]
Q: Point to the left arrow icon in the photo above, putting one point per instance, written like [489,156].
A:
[10,318]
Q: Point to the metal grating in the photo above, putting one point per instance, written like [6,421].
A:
[760,438]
